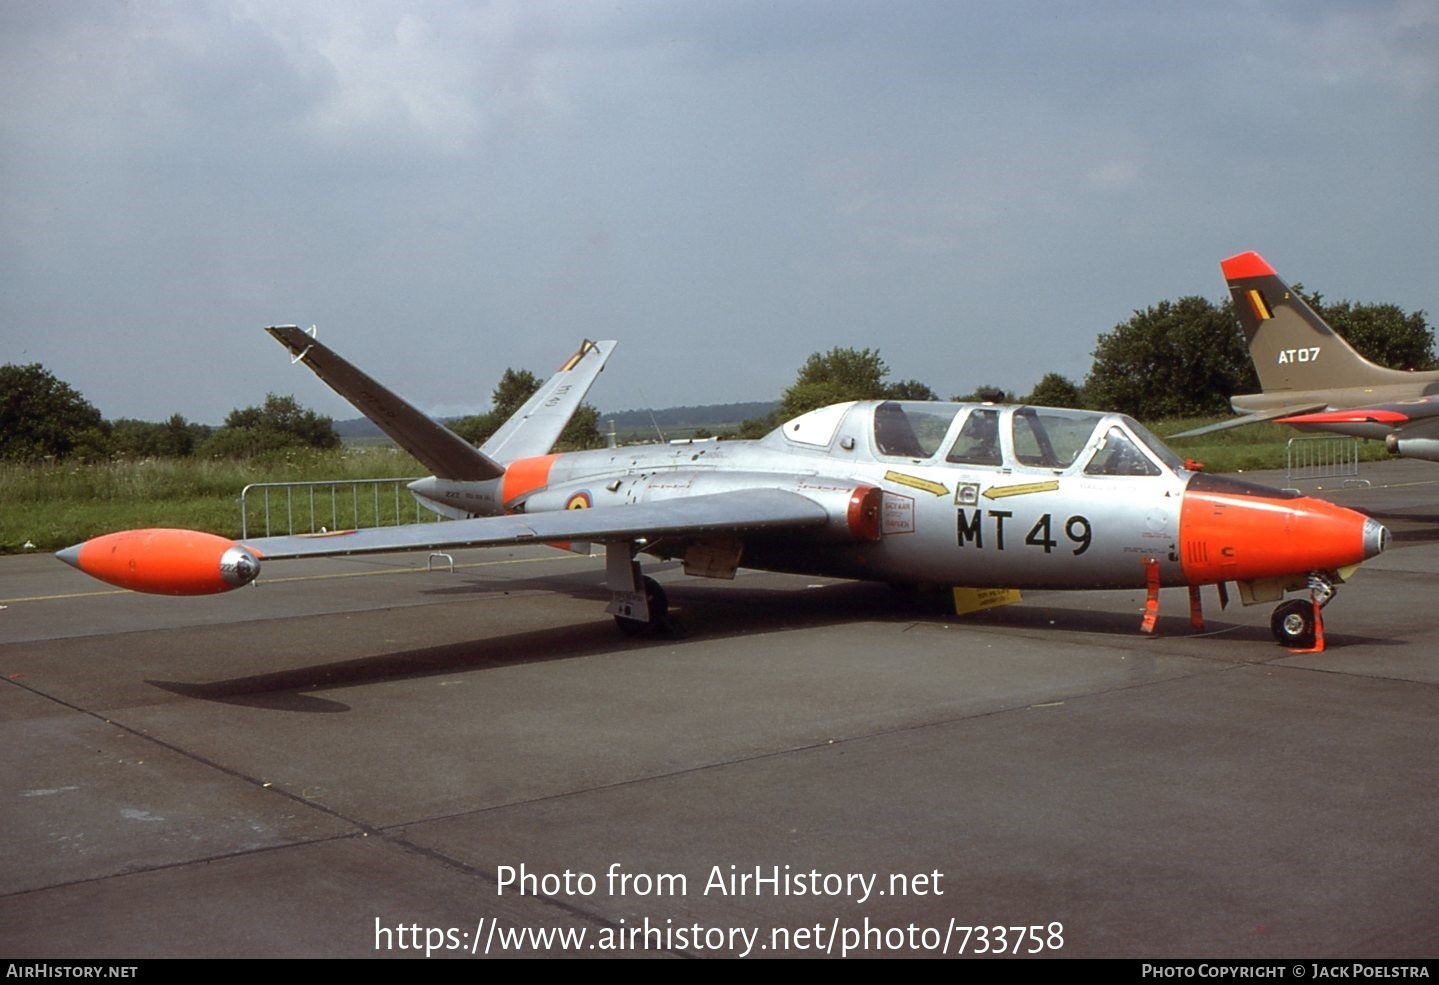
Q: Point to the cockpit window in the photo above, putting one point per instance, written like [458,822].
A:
[912,429]
[978,441]
[1050,438]
[1119,455]
[818,426]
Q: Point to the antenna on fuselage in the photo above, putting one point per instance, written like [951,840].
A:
[649,409]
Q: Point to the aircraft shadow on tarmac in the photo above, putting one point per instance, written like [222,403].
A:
[704,612]
[711,610]
[284,690]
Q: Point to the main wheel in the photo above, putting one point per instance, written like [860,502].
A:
[1293,623]
[659,606]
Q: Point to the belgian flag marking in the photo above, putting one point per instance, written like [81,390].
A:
[1260,306]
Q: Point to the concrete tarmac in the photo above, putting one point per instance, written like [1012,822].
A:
[360,757]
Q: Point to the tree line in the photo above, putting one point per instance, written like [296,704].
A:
[1181,358]
[1173,359]
[42,418]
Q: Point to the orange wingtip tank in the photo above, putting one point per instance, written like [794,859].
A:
[165,561]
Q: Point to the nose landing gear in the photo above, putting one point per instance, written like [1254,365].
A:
[1297,623]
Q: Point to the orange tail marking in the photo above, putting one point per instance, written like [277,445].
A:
[525,475]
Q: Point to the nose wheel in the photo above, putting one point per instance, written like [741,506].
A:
[1293,623]
[1297,623]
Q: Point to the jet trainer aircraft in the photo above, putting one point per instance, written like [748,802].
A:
[1314,380]
[905,492]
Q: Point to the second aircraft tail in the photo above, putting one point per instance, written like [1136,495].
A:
[1292,347]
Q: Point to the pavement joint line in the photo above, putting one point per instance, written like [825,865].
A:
[165,867]
[825,744]
[470,869]
[361,828]
[194,757]
[391,834]
[1341,672]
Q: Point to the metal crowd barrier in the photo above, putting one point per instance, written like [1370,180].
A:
[346,504]
[1323,456]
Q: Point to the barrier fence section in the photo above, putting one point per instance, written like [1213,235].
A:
[327,506]
[1322,457]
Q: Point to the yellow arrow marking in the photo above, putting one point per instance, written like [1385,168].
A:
[915,482]
[1024,489]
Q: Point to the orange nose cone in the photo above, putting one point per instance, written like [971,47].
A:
[165,562]
[1249,533]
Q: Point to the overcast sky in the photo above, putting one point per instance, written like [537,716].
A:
[448,189]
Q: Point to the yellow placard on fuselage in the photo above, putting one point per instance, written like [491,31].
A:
[967,600]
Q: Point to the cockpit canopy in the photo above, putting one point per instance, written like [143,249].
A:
[982,436]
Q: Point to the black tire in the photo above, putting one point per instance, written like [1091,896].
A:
[1293,623]
[633,628]
[659,606]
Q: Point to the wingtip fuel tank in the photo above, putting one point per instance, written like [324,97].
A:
[164,561]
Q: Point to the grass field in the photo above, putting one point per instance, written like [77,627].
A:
[1257,446]
[54,506]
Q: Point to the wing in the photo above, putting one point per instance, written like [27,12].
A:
[743,511]
[1257,418]
[1412,425]
[1402,414]
[185,562]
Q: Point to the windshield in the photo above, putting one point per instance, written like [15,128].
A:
[1118,455]
[1155,446]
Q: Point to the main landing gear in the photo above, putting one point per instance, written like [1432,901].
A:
[1297,623]
[657,623]
[637,602]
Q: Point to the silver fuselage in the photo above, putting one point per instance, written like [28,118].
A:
[1042,514]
